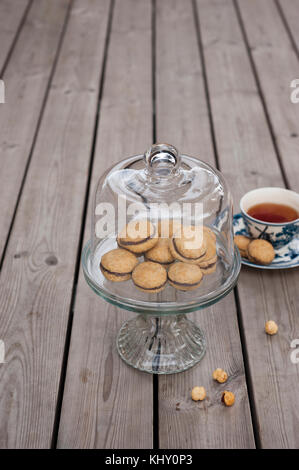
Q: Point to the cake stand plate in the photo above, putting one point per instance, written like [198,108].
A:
[160,339]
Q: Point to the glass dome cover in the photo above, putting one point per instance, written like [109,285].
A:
[159,186]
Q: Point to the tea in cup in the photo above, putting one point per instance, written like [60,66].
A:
[271,214]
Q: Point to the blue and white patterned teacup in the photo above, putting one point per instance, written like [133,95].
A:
[278,234]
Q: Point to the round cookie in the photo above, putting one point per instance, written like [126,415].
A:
[210,232]
[149,276]
[138,236]
[242,243]
[209,260]
[160,253]
[188,247]
[209,269]
[260,252]
[184,276]
[117,265]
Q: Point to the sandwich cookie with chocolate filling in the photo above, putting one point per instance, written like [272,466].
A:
[160,253]
[117,265]
[184,276]
[208,262]
[188,245]
[209,231]
[242,243]
[138,236]
[149,277]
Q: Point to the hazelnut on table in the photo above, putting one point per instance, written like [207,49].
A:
[271,327]
[220,375]
[228,398]
[198,393]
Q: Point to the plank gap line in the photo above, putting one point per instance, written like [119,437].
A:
[84,215]
[249,383]
[16,37]
[205,81]
[287,27]
[39,121]
[156,443]
[261,95]
[154,68]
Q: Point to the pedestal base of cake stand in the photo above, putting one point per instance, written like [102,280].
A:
[161,345]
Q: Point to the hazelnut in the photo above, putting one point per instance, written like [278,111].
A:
[198,393]
[271,328]
[220,375]
[228,398]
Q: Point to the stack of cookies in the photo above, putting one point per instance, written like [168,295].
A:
[256,250]
[179,254]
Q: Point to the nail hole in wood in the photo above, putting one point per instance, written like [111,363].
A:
[51,260]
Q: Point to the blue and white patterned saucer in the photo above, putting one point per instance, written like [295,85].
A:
[285,257]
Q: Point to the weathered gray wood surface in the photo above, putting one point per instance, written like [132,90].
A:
[222,92]
[11,17]
[107,404]
[247,158]
[182,114]
[37,277]
[277,65]
[289,10]
[26,79]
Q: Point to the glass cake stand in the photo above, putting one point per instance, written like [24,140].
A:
[160,339]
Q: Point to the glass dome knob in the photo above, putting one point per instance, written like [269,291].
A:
[162,160]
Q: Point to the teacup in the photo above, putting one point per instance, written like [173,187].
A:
[279,234]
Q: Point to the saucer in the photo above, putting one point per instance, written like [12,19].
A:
[285,257]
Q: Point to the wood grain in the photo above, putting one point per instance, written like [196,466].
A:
[277,66]
[290,12]
[247,157]
[37,277]
[181,109]
[243,139]
[182,118]
[106,403]
[26,79]
[11,16]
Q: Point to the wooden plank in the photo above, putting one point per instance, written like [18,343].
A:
[37,277]
[26,78]
[248,160]
[106,403]
[277,66]
[290,13]
[182,114]
[11,16]
[181,109]
[237,111]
